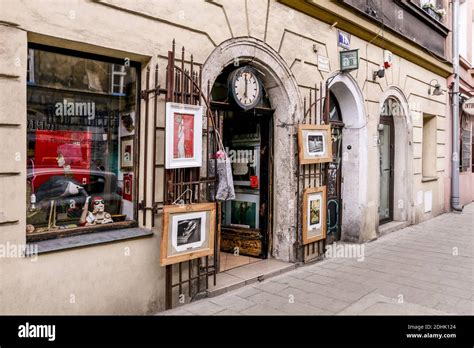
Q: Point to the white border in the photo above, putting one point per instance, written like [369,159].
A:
[196,161]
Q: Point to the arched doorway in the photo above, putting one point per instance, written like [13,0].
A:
[247,135]
[394,109]
[354,156]
[284,98]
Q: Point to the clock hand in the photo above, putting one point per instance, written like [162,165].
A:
[245,93]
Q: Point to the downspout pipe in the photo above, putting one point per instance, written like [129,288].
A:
[455,201]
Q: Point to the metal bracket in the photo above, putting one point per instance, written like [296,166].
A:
[154,208]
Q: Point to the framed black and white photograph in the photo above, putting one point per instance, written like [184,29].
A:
[314,144]
[183,136]
[188,232]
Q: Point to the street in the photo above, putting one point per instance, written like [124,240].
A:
[425,269]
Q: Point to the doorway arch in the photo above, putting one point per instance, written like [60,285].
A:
[403,156]
[354,159]
[284,95]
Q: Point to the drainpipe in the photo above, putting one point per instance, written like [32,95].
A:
[455,203]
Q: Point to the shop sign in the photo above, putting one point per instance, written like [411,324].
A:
[468,106]
[323,63]
[349,60]
[343,39]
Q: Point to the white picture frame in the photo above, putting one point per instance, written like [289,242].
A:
[183,136]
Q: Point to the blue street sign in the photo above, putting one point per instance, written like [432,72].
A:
[343,39]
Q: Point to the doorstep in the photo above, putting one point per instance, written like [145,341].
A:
[392,226]
[245,275]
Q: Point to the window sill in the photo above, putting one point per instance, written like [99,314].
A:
[69,232]
[90,239]
[429,178]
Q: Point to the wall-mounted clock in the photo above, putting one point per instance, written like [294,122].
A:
[245,87]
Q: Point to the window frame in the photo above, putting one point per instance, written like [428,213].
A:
[429,163]
[136,143]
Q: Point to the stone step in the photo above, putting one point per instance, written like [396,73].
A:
[245,275]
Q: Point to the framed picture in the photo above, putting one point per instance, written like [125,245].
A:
[128,186]
[314,214]
[314,143]
[183,136]
[188,232]
[126,152]
[245,161]
[243,211]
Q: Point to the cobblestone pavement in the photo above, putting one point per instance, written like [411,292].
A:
[423,269]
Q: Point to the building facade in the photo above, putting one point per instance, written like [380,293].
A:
[83,122]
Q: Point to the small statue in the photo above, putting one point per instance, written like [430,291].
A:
[98,215]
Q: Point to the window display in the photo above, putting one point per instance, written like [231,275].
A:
[81,134]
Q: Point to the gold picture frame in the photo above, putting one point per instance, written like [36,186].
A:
[188,232]
[314,214]
[314,143]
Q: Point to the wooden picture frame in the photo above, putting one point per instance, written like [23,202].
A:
[188,232]
[126,152]
[314,143]
[183,135]
[314,214]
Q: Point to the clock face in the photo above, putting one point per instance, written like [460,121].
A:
[246,88]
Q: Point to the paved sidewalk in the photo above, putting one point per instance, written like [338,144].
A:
[423,269]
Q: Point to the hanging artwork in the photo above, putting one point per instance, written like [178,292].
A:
[314,143]
[183,136]
[126,152]
[314,214]
[127,186]
[188,232]
[243,211]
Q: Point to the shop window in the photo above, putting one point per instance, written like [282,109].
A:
[465,145]
[30,71]
[81,139]
[429,147]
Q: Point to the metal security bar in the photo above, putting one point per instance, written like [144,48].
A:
[192,185]
[311,175]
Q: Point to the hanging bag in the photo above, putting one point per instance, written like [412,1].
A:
[225,182]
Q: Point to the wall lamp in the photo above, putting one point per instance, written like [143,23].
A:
[378,73]
[436,88]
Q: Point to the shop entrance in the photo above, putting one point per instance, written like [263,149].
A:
[245,227]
